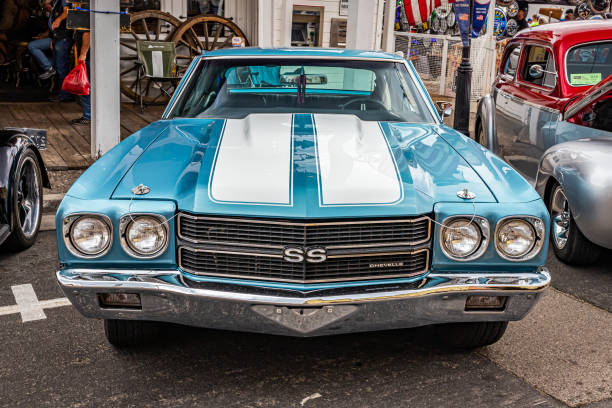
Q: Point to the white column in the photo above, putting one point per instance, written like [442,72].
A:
[104,66]
[388,40]
[378,33]
[264,23]
[361,26]
[286,19]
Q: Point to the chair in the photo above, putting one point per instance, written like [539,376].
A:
[157,61]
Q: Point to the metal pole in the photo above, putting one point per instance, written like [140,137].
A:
[461,122]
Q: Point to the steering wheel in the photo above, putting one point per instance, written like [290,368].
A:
[363,100]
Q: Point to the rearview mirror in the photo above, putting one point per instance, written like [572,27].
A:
[311,79]
[444,108]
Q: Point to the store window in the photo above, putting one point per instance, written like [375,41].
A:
[337,33]
[197,7]
[541,57]
[307,26]
[140,5]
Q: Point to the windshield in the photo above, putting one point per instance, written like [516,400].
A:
[588,64]
[234,88]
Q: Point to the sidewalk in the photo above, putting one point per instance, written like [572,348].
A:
[68,146]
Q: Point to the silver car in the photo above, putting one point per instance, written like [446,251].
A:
[549,116]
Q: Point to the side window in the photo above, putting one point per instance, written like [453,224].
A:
[539,67]
[512,61]
[588,64]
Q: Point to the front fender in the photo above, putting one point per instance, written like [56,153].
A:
[12,145]
[485,114]
[581,168]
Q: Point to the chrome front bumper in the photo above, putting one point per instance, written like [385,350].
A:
[439,298]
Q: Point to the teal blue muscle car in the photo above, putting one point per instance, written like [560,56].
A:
[303,193]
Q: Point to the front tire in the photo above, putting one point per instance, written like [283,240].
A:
[470,335]
[481,137]
[130,333]
[26,202]
[568,242]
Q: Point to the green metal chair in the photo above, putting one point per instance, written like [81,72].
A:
[157,61]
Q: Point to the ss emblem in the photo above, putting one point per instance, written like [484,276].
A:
[299,254]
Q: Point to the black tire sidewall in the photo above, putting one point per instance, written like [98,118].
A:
[480,135]
[18,240]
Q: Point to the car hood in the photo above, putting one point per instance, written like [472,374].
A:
[312,166]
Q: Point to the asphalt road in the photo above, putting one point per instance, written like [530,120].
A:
[560,355]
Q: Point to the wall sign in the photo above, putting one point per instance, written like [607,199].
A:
[499,23]
[344,4]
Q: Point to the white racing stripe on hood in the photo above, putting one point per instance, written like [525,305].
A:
[355,162]
[254,161]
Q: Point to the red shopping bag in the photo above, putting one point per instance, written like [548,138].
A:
[76,82]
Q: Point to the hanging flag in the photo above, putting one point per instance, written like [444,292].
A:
[481,8]
[418,11]
[462,14]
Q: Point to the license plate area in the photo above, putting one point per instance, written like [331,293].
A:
[304,319]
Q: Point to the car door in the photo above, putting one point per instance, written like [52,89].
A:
[502,91]
[531,110]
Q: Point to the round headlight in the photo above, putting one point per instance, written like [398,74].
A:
[515,238]
[461,238]
[90,235]
[146,235]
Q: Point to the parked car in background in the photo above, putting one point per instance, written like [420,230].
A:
[22,177]
[302,192]
[549,115]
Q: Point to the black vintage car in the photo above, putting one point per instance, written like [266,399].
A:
[22,177]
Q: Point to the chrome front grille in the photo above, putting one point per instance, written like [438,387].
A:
[278,234]
[277,269]
[255,248]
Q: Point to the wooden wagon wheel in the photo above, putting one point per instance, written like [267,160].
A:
[149,25]
[203,33]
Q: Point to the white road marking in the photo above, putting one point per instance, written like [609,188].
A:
[28,304]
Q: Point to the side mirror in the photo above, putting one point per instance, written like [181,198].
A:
[536,71]
[444,108]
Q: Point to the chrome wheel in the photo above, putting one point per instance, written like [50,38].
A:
[28,198]
[561,217]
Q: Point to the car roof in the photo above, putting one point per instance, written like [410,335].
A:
[569,32]
[301,52]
